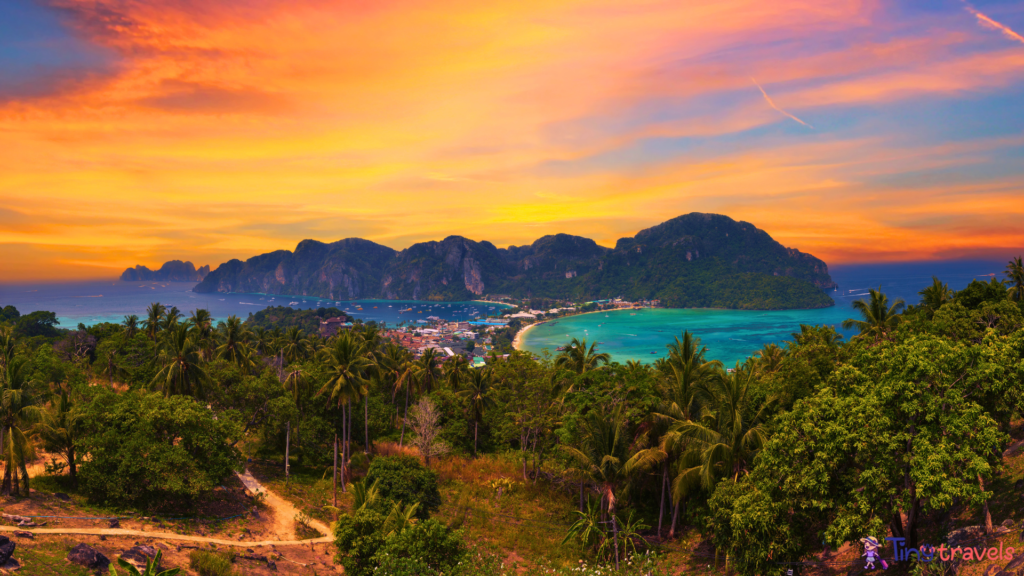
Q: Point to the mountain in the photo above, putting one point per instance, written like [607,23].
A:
[695,260]
[173,271]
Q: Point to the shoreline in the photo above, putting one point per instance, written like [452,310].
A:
[517,341]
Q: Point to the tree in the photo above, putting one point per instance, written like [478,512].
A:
[154,313]
[347,366]
[202,325]
[477,392]
[405,480]
[296,346]
[37,323]
[234,337]
[934,296]
[59,431]
[1015,276]
[428,370]
[426,423]
[143,449]
[880,319]
[396,365]
[580,359]
[455,370]
[20,401]
[131,326]
[182,371]
[296,383]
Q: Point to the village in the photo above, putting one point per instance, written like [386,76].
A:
[478,339]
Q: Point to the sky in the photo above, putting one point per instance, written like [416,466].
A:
[135,132]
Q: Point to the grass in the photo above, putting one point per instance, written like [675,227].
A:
[48,558]
[211,563]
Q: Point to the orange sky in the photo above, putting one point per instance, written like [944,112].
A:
[140,131]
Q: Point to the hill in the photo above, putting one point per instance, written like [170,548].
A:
[172,271]
[695,260]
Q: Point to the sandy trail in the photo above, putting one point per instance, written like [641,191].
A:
[284,523]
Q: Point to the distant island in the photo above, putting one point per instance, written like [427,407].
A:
[692,261]
[173,271]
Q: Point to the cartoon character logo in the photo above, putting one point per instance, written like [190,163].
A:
[871,547]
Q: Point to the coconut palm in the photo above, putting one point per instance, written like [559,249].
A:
[427,369]
[1015,276]
[20,401]
[170,318]
[934,296]
[262,341]
[879,317]
[347,366]
[296,383]
[131,326]
[602,455]
[202,325]
[154,313]
[295,347]
[59,430]
[234,338]
[580,359]
[182,369]
[770,357]
[455,370]
[7,346]
[730,430]
[478,387]
[397,366]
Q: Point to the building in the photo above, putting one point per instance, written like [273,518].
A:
[330,326]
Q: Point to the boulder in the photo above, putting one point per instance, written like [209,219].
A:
[6,549]
[115,523]
[139,556]
[62,496]
[88,557]
[24,534]
[1014,565]
[962,535]
[1008,523]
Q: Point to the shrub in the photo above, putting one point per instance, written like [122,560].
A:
[144,448]
[403,479]
[428,547]
[210,563]
[358,537]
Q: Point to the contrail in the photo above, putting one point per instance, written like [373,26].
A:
[990,23]
[780,110]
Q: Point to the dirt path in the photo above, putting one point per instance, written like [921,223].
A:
[284,525]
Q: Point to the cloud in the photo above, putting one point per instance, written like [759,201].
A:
[780,110]
[990,23]
[194,97]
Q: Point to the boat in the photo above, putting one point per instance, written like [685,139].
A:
[653,352]
[293,303]
[632,313]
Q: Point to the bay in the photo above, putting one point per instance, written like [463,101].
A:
[94,302]
[733,335]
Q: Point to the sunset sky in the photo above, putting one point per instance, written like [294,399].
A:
[141,131]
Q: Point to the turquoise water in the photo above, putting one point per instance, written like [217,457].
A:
[733,335]
[94,302]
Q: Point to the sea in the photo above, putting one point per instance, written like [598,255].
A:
[91,303]
[730,335]
[733,335]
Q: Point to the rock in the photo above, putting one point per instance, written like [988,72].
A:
[11,565]
[6,549]
[24,534]
[139,556]
[88,557]
[992,569]
[1008,523]
[62,496]
[1015,564]
[962,535]
[115,523]
[162,546]
[271,565]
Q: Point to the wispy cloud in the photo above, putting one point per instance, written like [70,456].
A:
[780,110]
[990,23]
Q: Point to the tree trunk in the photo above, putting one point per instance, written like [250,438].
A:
[664,482]
[72,467]
[675,516]
[344,461]
[335,473]
[476,434]
[581,495]
[988,515]
[366,423]
[615,532]
[406,417]
[110,370]
[287,444]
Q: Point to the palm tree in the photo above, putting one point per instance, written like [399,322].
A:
[455,371]
[879,317]
[731,429]
[347,366]
[155,313]
[1015,276]
[477,392]
[296,346]
[602,456]
[397,367]
[262,341]
[170,318]
[131,326]
[770,357]
[296,383]
[580,359]
[234,338]
[427,369]
[19,406]
[934,296]
[58,431]
[202,325]
[182,371]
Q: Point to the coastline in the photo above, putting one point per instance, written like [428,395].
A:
[517,341]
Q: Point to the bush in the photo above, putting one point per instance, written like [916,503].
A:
[403,479]
[358,537]
[426,548]
[210,563]
[144,448]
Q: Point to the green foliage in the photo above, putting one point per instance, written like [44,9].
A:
[358,537]
[150,570]
[403,479]
[38,323]
[145,449]
[456,428]
[9,314]
[427,547]
[978,292]
[285,317]
[210,563]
